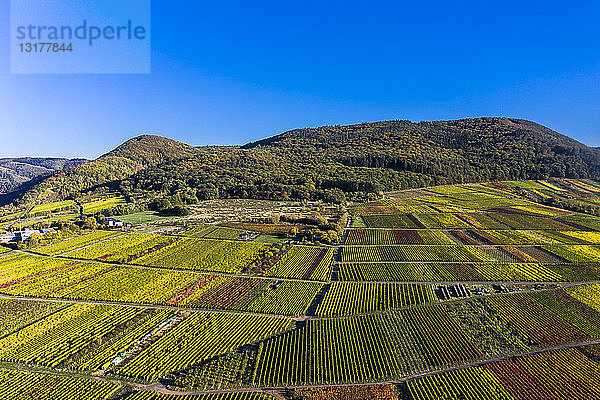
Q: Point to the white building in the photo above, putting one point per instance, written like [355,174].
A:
[7,237]
[113,222]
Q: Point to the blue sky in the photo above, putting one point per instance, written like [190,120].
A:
[231,72]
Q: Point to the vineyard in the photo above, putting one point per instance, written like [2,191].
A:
[102,204]
[389,271]
[349,298]
[172,252]
[200,337]
[382,237]
[417,253]
[75,243]
[471,291]
[379,347]
[18,385]
[565,374]
[228,396]
[303,263]
[246,294]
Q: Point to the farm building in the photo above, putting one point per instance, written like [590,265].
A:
[113,222]
[7,237]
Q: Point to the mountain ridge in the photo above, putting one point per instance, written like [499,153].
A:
[354,159]
[16,171]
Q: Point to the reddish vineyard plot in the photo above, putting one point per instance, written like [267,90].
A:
[573,311]
[475,383]
[416,253]
[535,321]
[217,291]
[565,374]
[247,294]
[151,395]
[303,262]
[379,392]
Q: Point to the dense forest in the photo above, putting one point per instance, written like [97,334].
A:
[374,157]
[333,162]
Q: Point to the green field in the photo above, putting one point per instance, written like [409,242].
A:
[142,217]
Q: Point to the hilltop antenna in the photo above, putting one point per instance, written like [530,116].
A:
[501,111]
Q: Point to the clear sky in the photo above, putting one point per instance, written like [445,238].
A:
[230,72]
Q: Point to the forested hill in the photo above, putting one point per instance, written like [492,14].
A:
[475,149]
[130,157]
[372,157]
[324,162]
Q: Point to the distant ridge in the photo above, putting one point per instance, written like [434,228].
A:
[14,172]
[133,155]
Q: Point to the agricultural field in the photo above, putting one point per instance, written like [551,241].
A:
[75,243]
[441,221]
[16,314]
[76,280]
[57,206]
[219,232]
[588,294]
[73,280]
[418,254]
[246,294]
[193,231]
[389,271]
[54,340]
[19,385]
[385,236]
[564,374]
[122,248]
[149,395]
[465,263]
[204,255]
[379,347]
[102,204]
[531,319]
[471,291]
[173,252]
[197,338]
[395,221]
[352,298]
[303,262]
[383,392]
[476,383]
